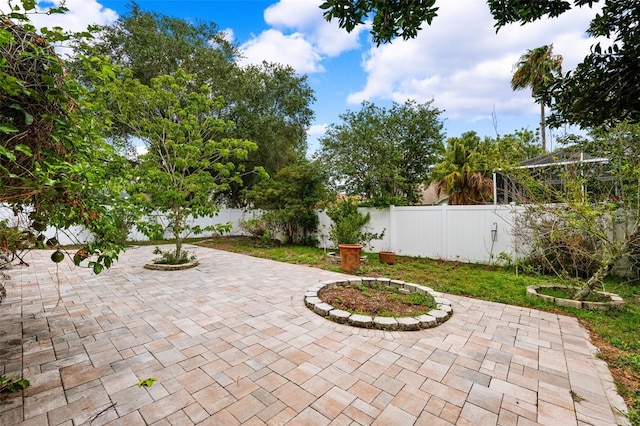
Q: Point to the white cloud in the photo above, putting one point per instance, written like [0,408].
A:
[229,35]
[299,37]
[140,150]
[317,129]
[81,13]
[464,65]
[293,14]
[273,46]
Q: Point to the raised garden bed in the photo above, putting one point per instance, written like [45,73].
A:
[561,296]
[432,318]
[167,267]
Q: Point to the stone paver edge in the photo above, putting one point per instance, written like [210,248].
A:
[616,301]
[434,318]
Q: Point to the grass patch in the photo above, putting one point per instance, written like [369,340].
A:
[569,292]
[418,299]
[614,332]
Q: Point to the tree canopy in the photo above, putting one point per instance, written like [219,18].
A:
[536,69]
[54,164]
[383,155]
[604,87]
[188,158]
[151,44]
[269,103]
[465,172]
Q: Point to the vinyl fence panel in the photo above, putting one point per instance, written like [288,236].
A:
[475,234]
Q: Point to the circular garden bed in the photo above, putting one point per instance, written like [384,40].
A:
[412,316]
[169,267]
[561,296]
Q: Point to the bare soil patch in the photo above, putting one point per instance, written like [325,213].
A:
[377,301]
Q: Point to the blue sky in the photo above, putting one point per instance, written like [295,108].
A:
[459,62]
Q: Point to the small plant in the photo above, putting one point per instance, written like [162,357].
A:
[147,383]
[576,397]
[413,299]
[257,227]
[14,240]
[363,289]
[261,229]
[505,259]
[170,257]
[349,225]
[12,384]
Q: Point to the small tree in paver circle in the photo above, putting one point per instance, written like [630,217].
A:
[187,161]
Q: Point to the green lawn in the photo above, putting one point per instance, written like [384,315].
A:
[616,333]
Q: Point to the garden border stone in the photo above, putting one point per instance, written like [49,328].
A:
[615,302]
[166,267]
[434,318]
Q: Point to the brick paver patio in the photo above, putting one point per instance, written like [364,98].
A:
[231,342]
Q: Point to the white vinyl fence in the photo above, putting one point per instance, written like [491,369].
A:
[79,234]
[476,234]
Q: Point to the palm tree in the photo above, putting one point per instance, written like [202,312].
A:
[536,69]
[460,173]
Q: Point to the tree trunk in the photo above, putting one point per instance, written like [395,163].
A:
[602,272]
[176,234]
[178,247]
[594,281]
[543,129]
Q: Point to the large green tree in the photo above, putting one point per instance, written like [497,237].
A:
[603,88]
[55,166]
[463,173]
[151,44]
[536,69]
[383,155]
[188,159]
[269,103]
[510,150]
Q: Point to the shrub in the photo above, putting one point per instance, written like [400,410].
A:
[349,225]
[257,227]
[172,258]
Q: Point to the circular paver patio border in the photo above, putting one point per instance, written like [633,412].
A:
[434,318]
[166,267]
[615,301]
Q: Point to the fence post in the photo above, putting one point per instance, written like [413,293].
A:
[392,223]
[444,231]
[495,189]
